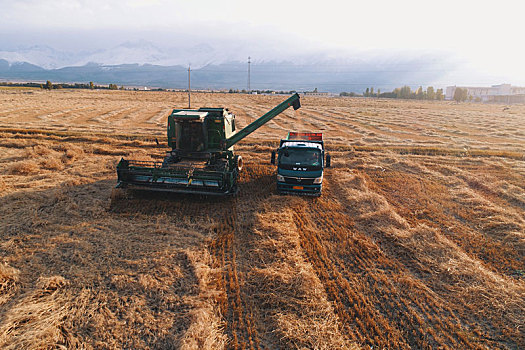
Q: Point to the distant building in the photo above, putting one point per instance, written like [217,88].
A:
[320,94]
[504,93]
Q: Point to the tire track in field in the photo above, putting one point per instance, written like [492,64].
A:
[11,112]
[141,115]
[371,126]
[126,117]
[425,258]
[284,121]
[238,319]
[108,117]
[51,116]
[76,114]
[160,117]
[379,302]
[311,120]
[247,114]
[359,320]
[259,298]
[482,230]
[340,123]
[231,257]
[250,114]
[96,112]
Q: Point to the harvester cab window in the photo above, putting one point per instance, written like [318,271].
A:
[191,137]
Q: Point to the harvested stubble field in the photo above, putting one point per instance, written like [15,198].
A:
[417,242]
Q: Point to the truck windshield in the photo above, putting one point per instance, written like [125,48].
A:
[305,157]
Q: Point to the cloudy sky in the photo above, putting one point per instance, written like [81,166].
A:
[484,38]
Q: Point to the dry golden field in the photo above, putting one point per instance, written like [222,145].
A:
[418,240]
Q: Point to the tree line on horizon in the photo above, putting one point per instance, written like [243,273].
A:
[50,86]
[404,92]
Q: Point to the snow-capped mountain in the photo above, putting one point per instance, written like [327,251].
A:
[40,55]
[145,63]
[141,52]
[130,52]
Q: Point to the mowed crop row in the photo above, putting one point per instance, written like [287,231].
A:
[403,250]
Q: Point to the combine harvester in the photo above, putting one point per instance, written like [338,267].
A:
[201,160]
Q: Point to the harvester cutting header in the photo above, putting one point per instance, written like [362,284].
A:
[201,159]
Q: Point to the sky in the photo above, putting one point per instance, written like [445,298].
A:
[483,38]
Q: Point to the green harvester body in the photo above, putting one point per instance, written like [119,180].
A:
[201,159]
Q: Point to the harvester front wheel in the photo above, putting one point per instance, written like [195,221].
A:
[238,163]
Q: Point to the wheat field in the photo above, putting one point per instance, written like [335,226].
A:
[418,240]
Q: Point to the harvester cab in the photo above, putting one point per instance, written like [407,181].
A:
[192,132]
[201,159]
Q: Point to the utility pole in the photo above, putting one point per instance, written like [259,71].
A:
[249,89]
[189,87]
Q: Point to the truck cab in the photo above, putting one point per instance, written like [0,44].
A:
[301,160]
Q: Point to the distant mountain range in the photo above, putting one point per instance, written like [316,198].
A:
[142,63]
[130,52]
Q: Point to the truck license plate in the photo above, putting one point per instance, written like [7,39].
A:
[298,187]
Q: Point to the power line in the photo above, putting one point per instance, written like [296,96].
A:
[249,89]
